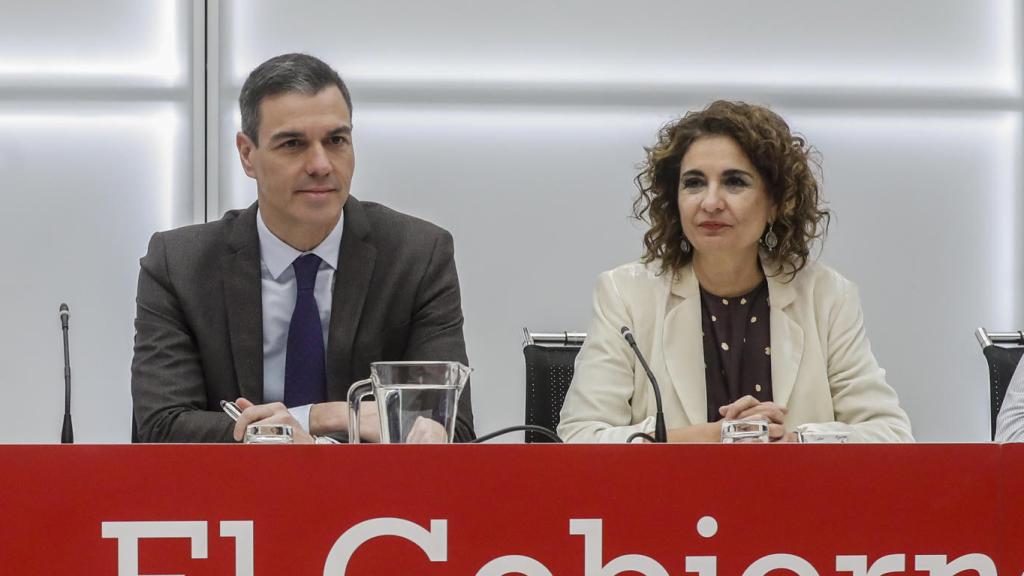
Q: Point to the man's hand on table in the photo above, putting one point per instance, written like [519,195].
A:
[275,413]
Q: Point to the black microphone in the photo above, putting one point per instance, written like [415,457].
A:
[660,434]
[67,433]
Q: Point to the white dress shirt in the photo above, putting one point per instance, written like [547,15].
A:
[1010,421]
[279,289]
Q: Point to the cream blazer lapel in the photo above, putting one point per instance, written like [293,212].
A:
[683,343]
[684,347]
[787,337]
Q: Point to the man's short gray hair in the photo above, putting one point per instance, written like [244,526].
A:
[300,73]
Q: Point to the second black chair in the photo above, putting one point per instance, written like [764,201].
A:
[1002,363]
[550,364]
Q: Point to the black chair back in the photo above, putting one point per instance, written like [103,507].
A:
[549,371]
[1002,362]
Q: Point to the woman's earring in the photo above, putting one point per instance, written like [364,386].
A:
[770,239]
[684,245]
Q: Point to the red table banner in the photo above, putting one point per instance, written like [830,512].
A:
[533,510]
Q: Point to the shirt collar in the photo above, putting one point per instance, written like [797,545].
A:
[278,256]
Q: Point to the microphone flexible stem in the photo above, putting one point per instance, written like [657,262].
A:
[660,432]
[650,374]
[67,375]
[67,432]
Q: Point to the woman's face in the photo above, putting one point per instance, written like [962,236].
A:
[723,203]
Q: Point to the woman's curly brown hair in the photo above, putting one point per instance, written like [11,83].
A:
[782,159]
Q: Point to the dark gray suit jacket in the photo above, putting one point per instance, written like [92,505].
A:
[199,319]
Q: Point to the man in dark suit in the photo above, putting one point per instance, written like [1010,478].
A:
[284,304]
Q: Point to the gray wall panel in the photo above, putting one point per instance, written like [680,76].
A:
[518,127]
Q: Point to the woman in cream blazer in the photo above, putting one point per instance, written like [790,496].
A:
[729,214]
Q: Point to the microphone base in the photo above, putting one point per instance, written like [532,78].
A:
[660,432]
[67,432]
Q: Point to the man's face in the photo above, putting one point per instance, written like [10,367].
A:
[304,162]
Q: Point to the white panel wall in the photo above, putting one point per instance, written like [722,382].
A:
[927,220]
[94,157]
[518,127]
[788,43]
[102,44]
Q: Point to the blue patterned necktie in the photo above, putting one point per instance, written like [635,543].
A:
[305,379]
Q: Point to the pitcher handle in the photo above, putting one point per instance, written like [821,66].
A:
[356,393]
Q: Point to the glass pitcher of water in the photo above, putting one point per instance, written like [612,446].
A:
[416,401]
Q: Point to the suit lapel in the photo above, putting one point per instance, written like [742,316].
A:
[243,293]
[356,261]
[684,347]
[787,339]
